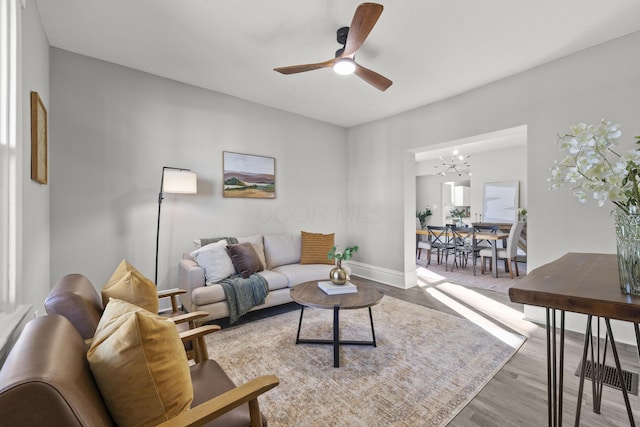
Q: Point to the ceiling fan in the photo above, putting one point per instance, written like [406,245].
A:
[351,38]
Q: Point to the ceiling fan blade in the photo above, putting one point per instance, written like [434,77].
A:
[293,69]
[364,19]
[374,79]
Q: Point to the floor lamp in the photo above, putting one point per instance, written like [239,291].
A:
[174,180]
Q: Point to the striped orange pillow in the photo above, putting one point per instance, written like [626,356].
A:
[315,247]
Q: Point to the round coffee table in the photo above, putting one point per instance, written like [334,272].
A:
[310,295]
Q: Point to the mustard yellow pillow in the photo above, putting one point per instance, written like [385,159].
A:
[128,284]
[315,247]
[140,367]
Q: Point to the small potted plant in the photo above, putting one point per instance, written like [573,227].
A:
[338,275]
[458,214]
[422,216]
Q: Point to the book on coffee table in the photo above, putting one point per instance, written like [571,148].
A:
[331,289]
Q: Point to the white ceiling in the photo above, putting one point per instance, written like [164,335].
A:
[431,49]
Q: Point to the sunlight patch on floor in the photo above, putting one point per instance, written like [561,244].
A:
[506,315]
[497,331]
[428,276]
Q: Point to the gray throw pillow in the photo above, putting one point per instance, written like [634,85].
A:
[244,258]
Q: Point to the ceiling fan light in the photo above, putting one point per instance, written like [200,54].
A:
[344,66]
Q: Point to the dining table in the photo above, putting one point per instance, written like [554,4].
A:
[493,237]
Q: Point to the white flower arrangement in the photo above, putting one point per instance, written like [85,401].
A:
[592,166]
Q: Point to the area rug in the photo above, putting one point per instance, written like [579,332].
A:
[426,367]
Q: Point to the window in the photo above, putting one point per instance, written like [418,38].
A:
[9,16]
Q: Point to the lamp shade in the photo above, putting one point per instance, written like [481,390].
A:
[179,181]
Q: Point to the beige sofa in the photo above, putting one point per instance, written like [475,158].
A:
[281,255]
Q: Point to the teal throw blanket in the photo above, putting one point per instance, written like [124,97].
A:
[244,294]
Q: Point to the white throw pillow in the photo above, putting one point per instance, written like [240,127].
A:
[256,242]
[282,250]
[215,260]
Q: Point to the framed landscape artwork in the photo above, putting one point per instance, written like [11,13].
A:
[246,175]
[39,154]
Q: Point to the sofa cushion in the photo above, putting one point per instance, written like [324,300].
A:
[274,279]
[256,241]
[315,247]
[210,294]
[244,259]
[282,250]
[214,293]
[215,260]
[139,364]
[128,284]
[298,273]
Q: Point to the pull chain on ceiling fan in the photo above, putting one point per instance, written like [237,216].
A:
[351,38]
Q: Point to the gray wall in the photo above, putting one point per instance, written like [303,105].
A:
[114,128]
[601,82]
[34,225]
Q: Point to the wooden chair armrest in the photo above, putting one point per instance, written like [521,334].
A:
[196,336]
[172,293]
[224,403]
[198,332]
[188,317]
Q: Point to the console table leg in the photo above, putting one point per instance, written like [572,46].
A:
[614,350]
[635,326]
[555,368]
[561,380]
[583,368]
[549,394]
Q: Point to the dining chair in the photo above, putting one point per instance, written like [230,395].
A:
[422,242]
[481,243]
[465,245]
[441,241]
[509,253]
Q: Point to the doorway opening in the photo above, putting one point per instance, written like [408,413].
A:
[454,198]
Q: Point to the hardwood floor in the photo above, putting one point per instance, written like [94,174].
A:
[517,394]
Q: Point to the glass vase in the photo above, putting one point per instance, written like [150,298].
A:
[628,246]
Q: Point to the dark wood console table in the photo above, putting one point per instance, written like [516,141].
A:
[581,283]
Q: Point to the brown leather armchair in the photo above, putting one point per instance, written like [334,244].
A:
[46,381]
[75,297]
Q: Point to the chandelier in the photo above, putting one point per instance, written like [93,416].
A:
[457,164]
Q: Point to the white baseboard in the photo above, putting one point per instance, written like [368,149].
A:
[384,275]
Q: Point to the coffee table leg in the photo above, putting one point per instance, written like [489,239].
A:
[299,324]
[373,332]
[336,336]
